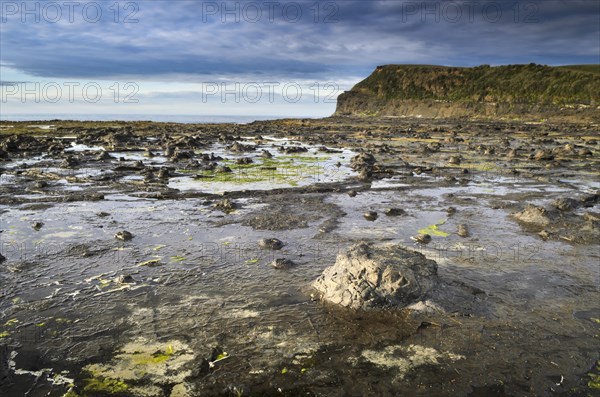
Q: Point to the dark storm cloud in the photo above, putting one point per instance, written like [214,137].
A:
[178,40]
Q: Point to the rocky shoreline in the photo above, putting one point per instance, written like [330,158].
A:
[163,259]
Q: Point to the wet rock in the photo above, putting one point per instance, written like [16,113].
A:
[123,235]
[362,161]
[565,204]
[591,217]
[463,230]
[207,158]
[225,205]
[124,279]
[239,147]
[368,276]
[352,193]
[533,215]
[546,235]
[293,149]
[590,200]
[454,160]
[181,155]
[270,243]
[421,238]
[104,156]
[394,212]
[543,155]
[37,225]
[4,363]
[69,162]
[163,173]
[370,215]
[244,160]
[266,154]
[283,264]
[365,175]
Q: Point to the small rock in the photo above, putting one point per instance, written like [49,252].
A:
[225,205]
[565,204]
[123,235]
[543,155]
[37,225]
[421,238]
[266,154]
[352,193]
[454,160]
[103,156]
[270,243]
[2,258]
[244,160]
[545,234]
[591,217]
[533,215]
[394,212]
[102,214]
[283,264]
[163,173]
[451,210]
[463,230]
[124,279]
[370,215]
[223,169]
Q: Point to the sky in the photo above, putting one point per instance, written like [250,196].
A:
[268,58]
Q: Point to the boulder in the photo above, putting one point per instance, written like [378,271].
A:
[369,276]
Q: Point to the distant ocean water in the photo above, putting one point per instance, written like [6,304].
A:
[140,117]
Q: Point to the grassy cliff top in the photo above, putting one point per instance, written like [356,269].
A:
[572,84]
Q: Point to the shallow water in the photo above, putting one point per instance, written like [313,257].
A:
[516,313]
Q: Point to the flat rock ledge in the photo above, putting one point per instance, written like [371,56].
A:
[369,276]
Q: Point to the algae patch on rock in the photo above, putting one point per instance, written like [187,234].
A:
[139,369]
[406,358]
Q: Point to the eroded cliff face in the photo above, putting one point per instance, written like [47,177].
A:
[528,92]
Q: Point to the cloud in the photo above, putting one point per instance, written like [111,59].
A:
[197,41]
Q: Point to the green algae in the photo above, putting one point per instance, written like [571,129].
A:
[433,230]
[150,263]
[594,382]
[154,358]
[104,386]
[283,169]
[139,369]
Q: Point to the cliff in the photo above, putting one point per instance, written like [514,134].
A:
[570,93]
